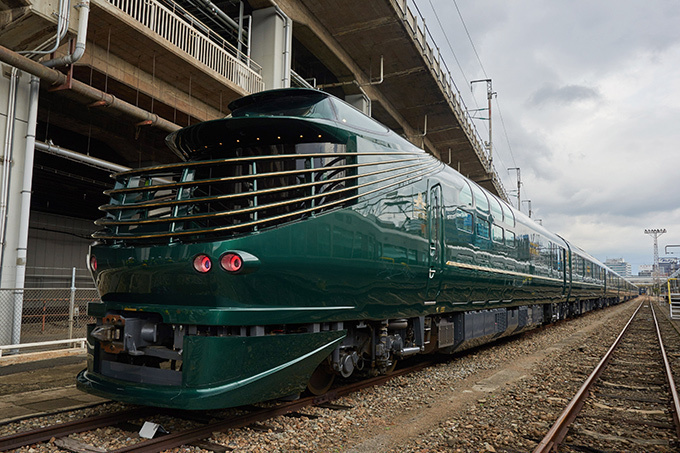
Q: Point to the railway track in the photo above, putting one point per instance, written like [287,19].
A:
[629,402]
[193,436]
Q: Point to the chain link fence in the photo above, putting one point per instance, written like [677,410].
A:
[48,315]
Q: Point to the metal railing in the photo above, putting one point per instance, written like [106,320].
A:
[442,75]
[50,317]
[167,19]
[673,293]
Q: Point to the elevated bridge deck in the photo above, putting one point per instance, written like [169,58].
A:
[142,52]
[416,83]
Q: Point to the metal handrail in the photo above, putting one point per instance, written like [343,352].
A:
[411,170]
[412,175]
[170,203]
[10,347]
[175,185]
[195,39]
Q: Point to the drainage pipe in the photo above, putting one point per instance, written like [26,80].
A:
[7,157]
[63,19]
[78,157]
[287,45]
[83,16]
[22,243]
[54,77]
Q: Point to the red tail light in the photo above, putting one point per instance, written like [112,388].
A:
[202,263]
[231,262]
[93,263]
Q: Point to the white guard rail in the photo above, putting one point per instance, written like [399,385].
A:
[73,342]
[216,53]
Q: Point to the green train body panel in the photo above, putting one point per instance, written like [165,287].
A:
[348,236]
[254,369]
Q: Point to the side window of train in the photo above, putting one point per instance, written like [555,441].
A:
[496,234]
[508,215]
[481,202]
[483,228]
[465,196]
[559,255]
[509,238]
[463,220]
[496,210]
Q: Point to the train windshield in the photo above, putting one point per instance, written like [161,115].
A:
[304,104]
[298,106]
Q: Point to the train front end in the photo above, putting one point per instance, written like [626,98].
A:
[203,303]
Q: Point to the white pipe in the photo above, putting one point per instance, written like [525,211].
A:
[78,157]
[287,45]
[83,18]
[88,160]
[7,157]
[43,343]
[382,72]
[22,243]
[63,20]
[287,51]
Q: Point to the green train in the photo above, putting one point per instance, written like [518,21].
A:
[300,240]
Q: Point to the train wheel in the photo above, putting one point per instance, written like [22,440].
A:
[391,368]
[321,380]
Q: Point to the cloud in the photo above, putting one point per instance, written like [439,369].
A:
[588,93]
[564,95]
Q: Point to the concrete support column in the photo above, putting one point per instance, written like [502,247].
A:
[271,43]
[16,147]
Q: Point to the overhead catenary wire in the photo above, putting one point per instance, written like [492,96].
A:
[469,38]
[462,71]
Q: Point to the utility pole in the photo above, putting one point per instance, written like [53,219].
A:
[529,202]
[655,233]
[489,95]
[519,184]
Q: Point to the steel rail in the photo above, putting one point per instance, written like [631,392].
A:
[669,376]
[63,429]
[559,430]
[203,432]
[19,440]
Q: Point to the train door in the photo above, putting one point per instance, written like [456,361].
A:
[566,269]
[568,277]
[435,233]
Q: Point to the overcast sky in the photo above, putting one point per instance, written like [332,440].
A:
[589,92]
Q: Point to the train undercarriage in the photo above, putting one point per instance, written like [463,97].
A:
[138,348]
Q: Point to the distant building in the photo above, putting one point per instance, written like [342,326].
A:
[620,266]
[668,265]
[645,270]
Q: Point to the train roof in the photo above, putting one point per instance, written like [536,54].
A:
[285,110]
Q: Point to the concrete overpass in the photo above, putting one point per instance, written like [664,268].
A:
[141,68]
[148,54]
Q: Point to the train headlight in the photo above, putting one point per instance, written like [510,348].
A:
[202,263]
[231,262]
[239,262]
